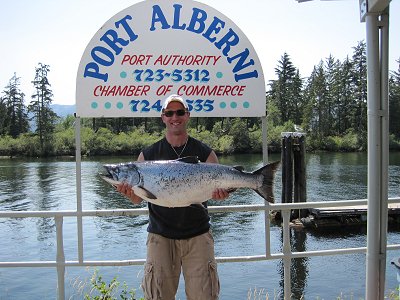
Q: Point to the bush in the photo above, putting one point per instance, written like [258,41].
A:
[256,140]
[102,290]
[225,145]
[394,143]
[206,137]
[350,142]
[64,142]
[240,134]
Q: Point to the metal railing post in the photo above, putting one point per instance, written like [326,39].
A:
[60,258]
[79,186]
[287,285]
[287,254]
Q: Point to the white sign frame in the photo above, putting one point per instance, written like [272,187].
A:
[153,49]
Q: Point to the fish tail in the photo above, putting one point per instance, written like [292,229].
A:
[268,172]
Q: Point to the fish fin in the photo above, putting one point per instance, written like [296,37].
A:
[268,173]
[239,168]
[189,159]
[143,193]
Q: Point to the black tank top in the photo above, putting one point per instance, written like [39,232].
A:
[178,222]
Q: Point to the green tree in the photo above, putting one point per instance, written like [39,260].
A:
[284,91]
[240,133]
[344,97]
[332,73]
[43,115]
[3,112]
[14,115]
[359,63]
[394,102]
[317,112]
[297,99]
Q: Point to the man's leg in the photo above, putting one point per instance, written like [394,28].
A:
[162,269]
[200,268]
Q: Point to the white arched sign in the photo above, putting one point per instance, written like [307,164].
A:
[156,48]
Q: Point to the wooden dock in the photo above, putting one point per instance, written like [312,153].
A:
[319,218]
[294,190]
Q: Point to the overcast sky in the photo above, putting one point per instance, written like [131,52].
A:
[57,32]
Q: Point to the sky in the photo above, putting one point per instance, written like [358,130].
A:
[56,33]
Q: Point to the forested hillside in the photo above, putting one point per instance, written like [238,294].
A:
[329,105]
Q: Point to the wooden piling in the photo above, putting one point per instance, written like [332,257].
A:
[287,168]
[294,171]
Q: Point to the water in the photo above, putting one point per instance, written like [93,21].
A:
[38,184]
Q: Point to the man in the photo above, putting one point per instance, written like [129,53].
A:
[179,238]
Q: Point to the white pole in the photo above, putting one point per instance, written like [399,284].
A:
[79,186]
[267,219]
[60,258]
[385,146]
[287,261]
[377,159]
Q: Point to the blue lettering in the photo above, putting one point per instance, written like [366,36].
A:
[158,16]
[242,56]
[198,18]
[230,39]
[106,53]
[177,14]
[128,29]
[216,27]
[92,70]
[111,39]
[240,65]
[105,57]
[253,74]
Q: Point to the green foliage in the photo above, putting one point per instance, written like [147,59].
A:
[102,290]
[7,145]
[256,142]
[14,118]
[394,143]
[205,136]
[224,145]
[43,115]
[394,102]
[233,137]
[23,145]
[347,143]
[240,133]
[132,142]
[330,105]
[100,142]
[274,138]
[64,142]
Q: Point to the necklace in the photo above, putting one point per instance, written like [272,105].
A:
[184,147]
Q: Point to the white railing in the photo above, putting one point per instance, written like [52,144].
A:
[286,255]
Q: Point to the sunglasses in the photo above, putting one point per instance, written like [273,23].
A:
[170,113]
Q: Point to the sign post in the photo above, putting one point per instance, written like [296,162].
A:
[153,49]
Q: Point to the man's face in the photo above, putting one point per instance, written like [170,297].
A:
[175,123]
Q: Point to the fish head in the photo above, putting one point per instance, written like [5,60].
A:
[123,172]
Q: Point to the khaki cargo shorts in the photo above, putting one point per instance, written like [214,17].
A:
[167,257]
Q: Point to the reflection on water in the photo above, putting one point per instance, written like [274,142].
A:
[50,185]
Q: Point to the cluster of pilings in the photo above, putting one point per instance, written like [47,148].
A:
[294,187]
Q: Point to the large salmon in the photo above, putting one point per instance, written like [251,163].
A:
[186,181]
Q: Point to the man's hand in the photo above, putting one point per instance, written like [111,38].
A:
[126,190]
[220,194]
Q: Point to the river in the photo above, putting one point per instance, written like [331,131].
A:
[49,184]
